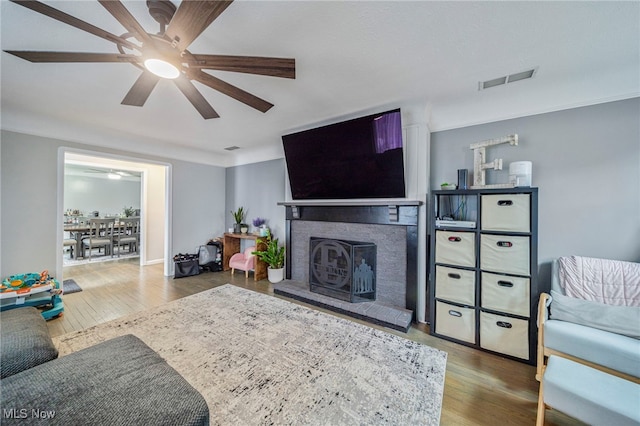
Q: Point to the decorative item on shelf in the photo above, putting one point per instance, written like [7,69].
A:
[260,227]
[244,228]
[238,217]
[447,186]
[520,173]
[462,178]
[273,256]
[480,164]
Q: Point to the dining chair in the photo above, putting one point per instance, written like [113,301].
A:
[128,234]
[71,243]
[100,235]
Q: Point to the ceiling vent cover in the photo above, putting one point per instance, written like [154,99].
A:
[511,78]
[232,148]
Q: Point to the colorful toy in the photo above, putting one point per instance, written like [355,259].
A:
[32,289]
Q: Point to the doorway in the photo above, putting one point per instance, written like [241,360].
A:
[154,203]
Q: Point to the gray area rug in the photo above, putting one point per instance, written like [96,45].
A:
[70,286]
[258,359]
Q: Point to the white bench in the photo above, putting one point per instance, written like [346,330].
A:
[587,394]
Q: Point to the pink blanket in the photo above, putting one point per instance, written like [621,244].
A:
[612,282]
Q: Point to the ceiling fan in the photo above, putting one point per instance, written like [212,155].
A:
[165,55]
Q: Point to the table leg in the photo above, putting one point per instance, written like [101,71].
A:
[78,236]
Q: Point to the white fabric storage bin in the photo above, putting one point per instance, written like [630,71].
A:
[456,285]
[505,293]
[456,248]
[506,335]
[456,322]
[504,253]
[506,212]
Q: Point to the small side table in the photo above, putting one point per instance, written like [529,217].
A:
[232,246]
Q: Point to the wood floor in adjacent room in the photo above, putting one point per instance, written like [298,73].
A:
[480,388]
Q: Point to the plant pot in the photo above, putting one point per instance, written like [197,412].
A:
[237,228]
[275,275]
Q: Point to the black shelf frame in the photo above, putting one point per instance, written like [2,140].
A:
[535,289]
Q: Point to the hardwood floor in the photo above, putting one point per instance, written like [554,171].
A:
[480,388]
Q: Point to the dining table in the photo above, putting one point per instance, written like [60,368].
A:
[79,230]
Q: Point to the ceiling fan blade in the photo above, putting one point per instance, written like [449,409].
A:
[73,21]
[141,89]
[192,18]
[73,56]
[122,14]
[195,97]
[275,67]
[230,90]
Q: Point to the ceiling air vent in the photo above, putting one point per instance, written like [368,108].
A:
[506,79]
[520,76]
[232,148]
[493,83]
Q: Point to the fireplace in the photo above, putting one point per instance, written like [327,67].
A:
[392,228]
[345,270]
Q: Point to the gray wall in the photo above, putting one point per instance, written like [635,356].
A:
[198,205]
[29,201]
[586,163]
[258,187]
[108,197]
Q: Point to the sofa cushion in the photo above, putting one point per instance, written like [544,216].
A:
[590,395]
[25,341]
[601,347]
[623,320]
[117,382]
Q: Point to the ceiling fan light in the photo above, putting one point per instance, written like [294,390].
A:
[114,176]
[162,68]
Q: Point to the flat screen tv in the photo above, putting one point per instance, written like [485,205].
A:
[358,158]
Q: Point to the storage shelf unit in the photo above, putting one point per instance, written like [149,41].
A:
[483,274]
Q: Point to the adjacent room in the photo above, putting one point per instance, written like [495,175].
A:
[341,213]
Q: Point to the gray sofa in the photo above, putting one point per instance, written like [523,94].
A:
[25,341]
[117,382]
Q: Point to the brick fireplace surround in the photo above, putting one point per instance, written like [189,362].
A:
[391,225]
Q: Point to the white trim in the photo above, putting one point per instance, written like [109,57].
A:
[168,234]
[59,214]
[62,154]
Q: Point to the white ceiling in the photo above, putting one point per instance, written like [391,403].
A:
[351,58]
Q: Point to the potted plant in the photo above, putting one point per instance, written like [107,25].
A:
[260,227]
[448,186]
[273,256]
[128,211]
[238,217]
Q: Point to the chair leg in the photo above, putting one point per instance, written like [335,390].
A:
[246,274]
[541,406]
[233,271]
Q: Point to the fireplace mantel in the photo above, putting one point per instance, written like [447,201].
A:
[376,212]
